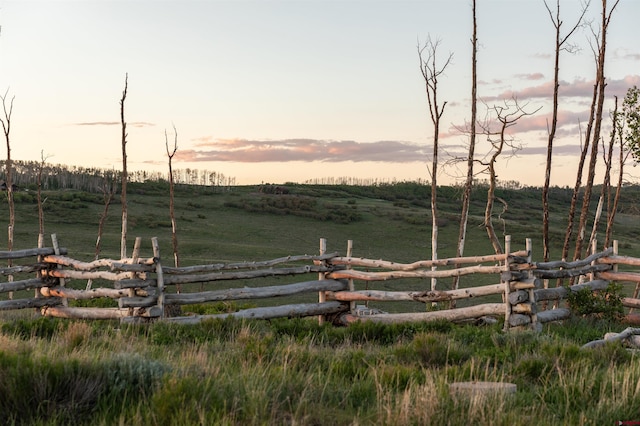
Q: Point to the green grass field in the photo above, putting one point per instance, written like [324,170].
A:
[58,372]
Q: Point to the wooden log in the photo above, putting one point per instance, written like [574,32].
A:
[613,337]
[553,315]
[629,302]
[421,296]
[98,263]
[240,275]
[525,308]
[139,268]
[620,260]
[518,296]
[458,314]
[371,263]
[285,311]
[244,265]
[389,275]
[137,301]
[6,305]
[568,273]
[11,270]
[21,285]
[84,275]
[255,292]
[558,293]
[526,284]
[159,276]
[518,320]
[134,283]
[18,254]
[620,276]
[575,264]
[82,294]
[95,313]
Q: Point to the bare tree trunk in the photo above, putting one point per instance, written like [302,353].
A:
[430,72]
[6,127]
[618,129]
[172,214]
[597,119]
[123,195]
[557,23]
[466,197]
[506,119]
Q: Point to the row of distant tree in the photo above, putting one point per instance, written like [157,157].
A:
[93,179]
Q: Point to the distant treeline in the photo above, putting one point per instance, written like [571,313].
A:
[92,179]
[356,181]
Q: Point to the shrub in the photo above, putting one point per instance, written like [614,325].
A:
[606,303]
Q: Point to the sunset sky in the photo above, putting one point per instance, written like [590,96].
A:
[276,91]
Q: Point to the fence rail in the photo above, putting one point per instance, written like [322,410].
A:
[147,290]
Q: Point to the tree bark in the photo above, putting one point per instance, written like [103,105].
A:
[125,176]
[466,197]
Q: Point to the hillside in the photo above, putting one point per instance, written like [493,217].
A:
[390,221]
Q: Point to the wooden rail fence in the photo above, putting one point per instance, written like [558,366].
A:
[145,289]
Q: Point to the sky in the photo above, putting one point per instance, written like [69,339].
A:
[281,91]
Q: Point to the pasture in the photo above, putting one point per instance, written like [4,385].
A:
[296,371]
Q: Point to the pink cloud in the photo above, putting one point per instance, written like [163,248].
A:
[114,123]
[255,151]
[578,88]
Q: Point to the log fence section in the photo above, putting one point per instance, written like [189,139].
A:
[142,286]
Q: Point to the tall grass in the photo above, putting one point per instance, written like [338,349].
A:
[298,372]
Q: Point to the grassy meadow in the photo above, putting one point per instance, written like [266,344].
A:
[58,372]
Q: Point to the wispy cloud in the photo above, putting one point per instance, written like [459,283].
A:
[626,54]
[530,76]
[114,123]
[577,88]
[256,151]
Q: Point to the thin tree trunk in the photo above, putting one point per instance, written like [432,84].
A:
[597,119]
[430,72]
[123,195]
[172,214]
[560,41]
[466,197]
[6,127]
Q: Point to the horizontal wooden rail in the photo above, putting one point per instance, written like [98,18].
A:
[18,254]
[458,314]
[256,292]
[284,311]
[389,275]
[371,263]
[417,296]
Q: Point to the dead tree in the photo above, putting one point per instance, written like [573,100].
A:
[507,116]
[627,129]
[466,196]
[108,191]
[559,45]
[41,164]
[596,121]
[6,128]
[430,72]
[124,177]
[172,214]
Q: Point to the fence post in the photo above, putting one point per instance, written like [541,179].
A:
[505,277]
[532,294]
[352,304]
[56,250]
[159,275]
[134,259]
[322,296]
